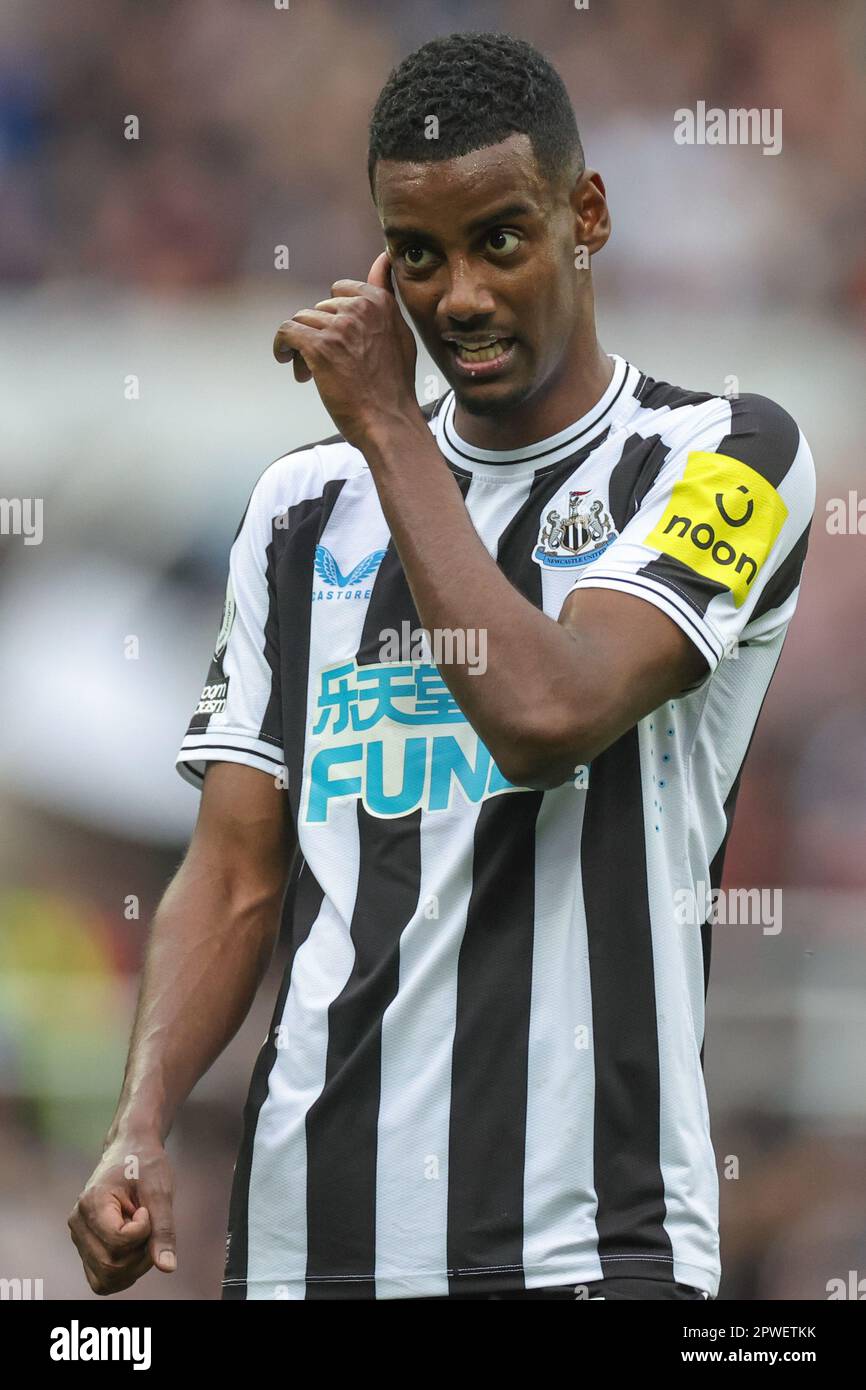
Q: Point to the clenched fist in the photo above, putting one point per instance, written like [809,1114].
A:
[122,1224]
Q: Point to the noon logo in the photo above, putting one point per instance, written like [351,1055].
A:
[722,520]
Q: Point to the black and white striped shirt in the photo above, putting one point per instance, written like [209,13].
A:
[485,1069]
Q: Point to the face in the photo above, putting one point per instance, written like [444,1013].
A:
[482,250]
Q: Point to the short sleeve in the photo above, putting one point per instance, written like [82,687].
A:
[238,716]
[718,541]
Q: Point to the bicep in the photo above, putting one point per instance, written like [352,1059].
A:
[245,826]
[632,658]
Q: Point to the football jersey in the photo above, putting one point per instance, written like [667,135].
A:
[485,1067]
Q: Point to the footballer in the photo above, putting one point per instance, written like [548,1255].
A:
[484,1074]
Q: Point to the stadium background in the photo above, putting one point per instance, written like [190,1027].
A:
[155,258]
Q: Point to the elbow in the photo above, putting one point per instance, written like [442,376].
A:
[543,758]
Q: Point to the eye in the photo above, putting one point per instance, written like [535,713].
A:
[499,236]
[413,251]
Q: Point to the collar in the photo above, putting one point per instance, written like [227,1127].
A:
[505,464]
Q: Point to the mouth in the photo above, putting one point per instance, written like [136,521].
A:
[483,359]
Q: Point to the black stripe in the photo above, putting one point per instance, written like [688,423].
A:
[706,952]
[198,724]
[342,1124]
[432,408]
[464,482]
[763,435]
[272,720]
[628,1177]
[657,394]
[633,475]
[294,548]
[630,481]
[782,584]
[302,904]
[487,1142]
[518,540]
[694,588]
[487,1145]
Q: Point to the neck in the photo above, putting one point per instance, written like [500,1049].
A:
[579,380]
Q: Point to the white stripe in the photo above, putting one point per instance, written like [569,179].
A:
[323,964]
[191,762]
[686,1157]
[417,1041]
[418,1026]
[560,1202]
[492,508]
[277,1251]
[717,745]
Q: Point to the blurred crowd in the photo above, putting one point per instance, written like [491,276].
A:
[250,124]
[252,128]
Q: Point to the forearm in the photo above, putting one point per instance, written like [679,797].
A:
[210,944]
[532,662]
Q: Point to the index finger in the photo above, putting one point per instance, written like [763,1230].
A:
[289,341]
[349,287]
[379,273]
[106,1216]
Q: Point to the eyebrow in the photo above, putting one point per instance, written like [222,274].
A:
[502,214]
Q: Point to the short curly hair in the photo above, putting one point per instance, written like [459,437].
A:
[481,87]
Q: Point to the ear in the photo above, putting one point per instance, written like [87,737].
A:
[380,273]
[592,216]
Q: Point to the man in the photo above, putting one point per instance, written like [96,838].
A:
[484,1076]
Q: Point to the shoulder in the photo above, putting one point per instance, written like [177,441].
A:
[750,428]
[763,433]
[764,437]
[306,472]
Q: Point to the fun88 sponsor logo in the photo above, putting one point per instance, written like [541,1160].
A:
[393,735]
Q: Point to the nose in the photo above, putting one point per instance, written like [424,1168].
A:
[466,296]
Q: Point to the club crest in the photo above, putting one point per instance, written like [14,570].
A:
[578,537]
